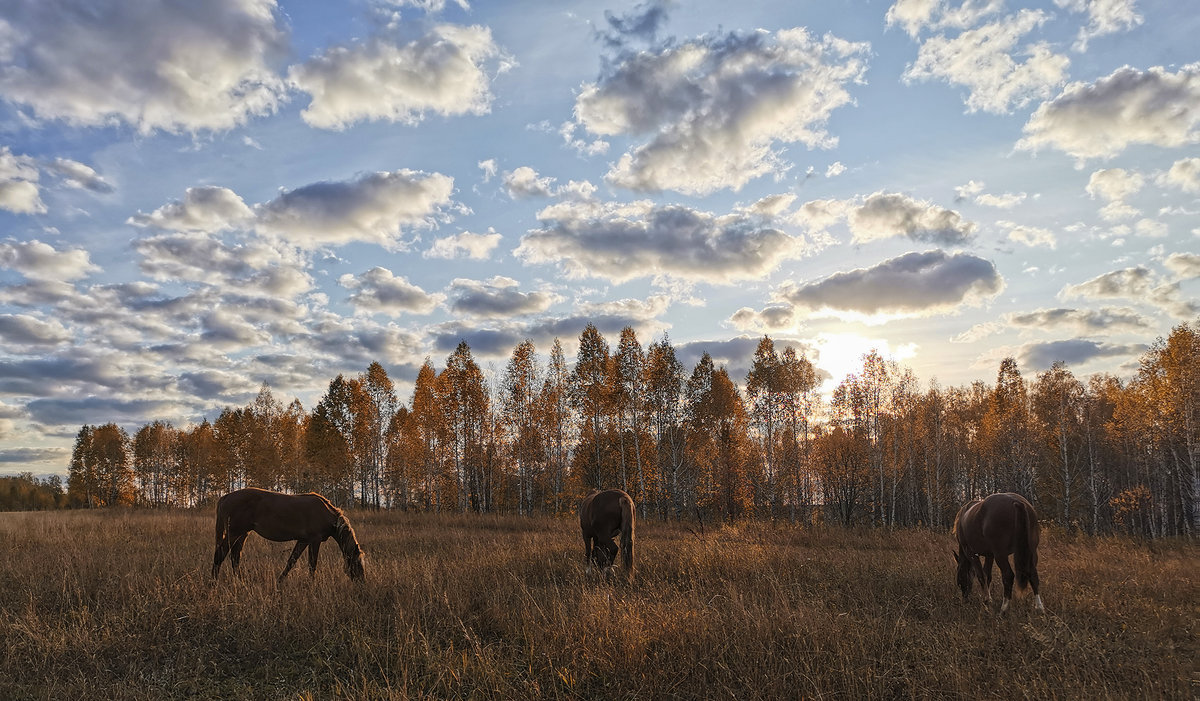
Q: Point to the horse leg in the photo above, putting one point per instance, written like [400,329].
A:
[1037,598]
[587,554]
[1007,575]
[235,551]
[988,561]
[313,548]
[219,555]
[292,558]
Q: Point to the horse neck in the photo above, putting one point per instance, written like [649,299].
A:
[345,537]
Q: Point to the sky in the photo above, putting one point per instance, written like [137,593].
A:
[197,198]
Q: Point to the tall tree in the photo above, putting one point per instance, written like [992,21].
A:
[589,390]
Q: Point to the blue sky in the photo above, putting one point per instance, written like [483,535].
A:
[198,199]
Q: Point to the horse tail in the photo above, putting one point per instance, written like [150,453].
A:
[1022,552]
[627,519]
[222,519]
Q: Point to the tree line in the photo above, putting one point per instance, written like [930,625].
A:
[1102,455]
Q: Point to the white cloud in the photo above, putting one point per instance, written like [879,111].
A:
[915,15]
[1136,283]
[41,261]
[203,209]
[442,72]
[1184,265]
[968,191]
[153,65]
[1031,236]
[375,208]
[379,291]
[981,60]
[715,107]
[23,330]
[525,182]
[1104,321]
[641,239]
[884,215]
[1127,107]
[1104,17]
[489,169]
[1114,185]
[914,284]
[77,175]
[835,169]
[465,245]
[428,6]
[1007,200]
[19,192]
[253,267]
[1183,174]
[772,318]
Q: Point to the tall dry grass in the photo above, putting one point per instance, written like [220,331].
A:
[120,605]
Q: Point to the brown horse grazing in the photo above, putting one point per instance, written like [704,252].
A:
[996,527]
[308,519]
[602,515]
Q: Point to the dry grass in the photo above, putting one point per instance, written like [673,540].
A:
[120,605]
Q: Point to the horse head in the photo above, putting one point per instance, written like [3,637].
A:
[354,564]
[604,554]
[964,574]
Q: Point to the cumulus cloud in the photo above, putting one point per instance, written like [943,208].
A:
[641,23]
[1031,236]
[1007,200]
[1106,320]
[715,108]
[375,208]
[1127,107]
[489,169]
[19,192]
[1104,17]
[525,182]
[1183,174]
[253,266]
[465,245]
[914,284]
[835,169]
[1074,352]
[79,176]
[772,318]
[884,215]
[914,16]
[1114,185]
[152,65]
[1137,283]
[443,72]
[203,209]
[1184,265]
[499,298]
[379,291]
[41,261]
[981,60]
[23,330]
[641,239]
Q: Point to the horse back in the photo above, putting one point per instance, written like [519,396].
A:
[600,513]
[993,525]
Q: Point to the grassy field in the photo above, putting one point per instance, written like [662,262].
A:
[120,605]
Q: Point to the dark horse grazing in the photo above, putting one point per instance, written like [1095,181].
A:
[306,518]
[996,527]
[602,515]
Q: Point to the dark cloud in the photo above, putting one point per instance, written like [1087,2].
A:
[377,290]
[1040,356]
[642,239]
[642,23]
[34,455]
[884,215]
[497,298]
[1106,320]
[56,411]
[914,284]
[736,354]
[23,330]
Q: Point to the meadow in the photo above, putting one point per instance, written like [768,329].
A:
[119,604]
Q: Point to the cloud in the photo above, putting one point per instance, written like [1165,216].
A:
[835,169]
[1184,265]
[1136,283]
[981,60]
[1031,236]
[916,15]
[23,330]
[41,261]
[497,298]
[1103,321]
[1114,185]
[255,266]
[1074,352]
[715,108]
[524,182]
[78,176]
[442,72]
[1127,107]
[464,245]
[489,169]
[1007,200]
[375,208]
[19,192]
[641,23]
[1183,174]
[60,411]
[641,239]
[1104,17]
[884,215]
[772,318]
[203,209]
[914,284]
[379,291]
[152,65]
[428,6]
